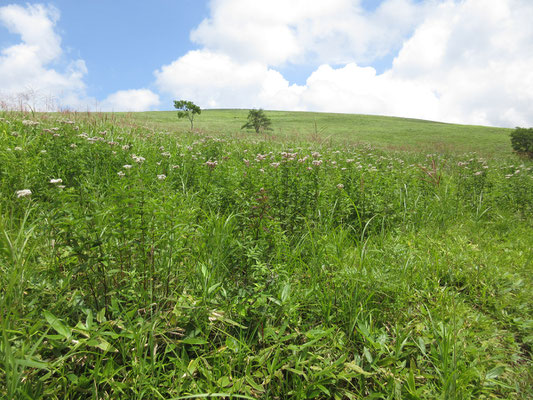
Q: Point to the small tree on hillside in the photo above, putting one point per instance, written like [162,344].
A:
[187,109]
[522,141]
[258,121]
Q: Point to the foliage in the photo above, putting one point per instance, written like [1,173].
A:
[522,141]
[136,264]
[258,120]
[187,109]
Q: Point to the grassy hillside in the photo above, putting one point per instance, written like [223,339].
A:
[383,132]
[143,263]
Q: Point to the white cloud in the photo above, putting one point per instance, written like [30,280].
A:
[215,80]
[467,61]
[478,56]
[353,89]
[130,100]
[278,31]
[26,74]
[29,74]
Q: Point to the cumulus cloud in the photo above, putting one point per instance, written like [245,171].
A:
[30,75]
[26,69]
[278,31]
[216,80]
[457,61]
[130,100]
[477,55]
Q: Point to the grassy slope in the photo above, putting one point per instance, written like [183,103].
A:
[384,132]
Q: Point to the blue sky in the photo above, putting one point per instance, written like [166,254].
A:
[122,42]
[467,61]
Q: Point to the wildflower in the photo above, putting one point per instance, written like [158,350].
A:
[18,148]
[29,123]
[60,186]
[478,173]
[23,193]
[161,177]
[247,162]
[175,166]
[127,166]
[340,186]
[58,180]
[126,147]
[43,151]
[317,162]
[121,173]
[138,159]
[315,154]
[73,145]
[211,164]
[274,164]
[165,154]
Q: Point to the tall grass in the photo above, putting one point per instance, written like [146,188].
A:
[167,265]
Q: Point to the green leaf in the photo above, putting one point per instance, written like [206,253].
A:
[356,368]
[253,384]
[57,325]
[32,363]
[194,341]
[494,373]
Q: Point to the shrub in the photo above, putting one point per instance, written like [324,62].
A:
[258,120]
[522,141]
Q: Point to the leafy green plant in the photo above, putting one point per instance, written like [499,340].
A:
[522,141]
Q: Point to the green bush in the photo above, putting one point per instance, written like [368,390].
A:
[522,141]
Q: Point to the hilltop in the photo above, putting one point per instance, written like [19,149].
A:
[391,133]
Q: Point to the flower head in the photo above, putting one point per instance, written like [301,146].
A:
[211,164]
[55,181]
[23,193]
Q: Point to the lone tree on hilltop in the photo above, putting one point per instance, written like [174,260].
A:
[522,141]
[258,120]
[187,109]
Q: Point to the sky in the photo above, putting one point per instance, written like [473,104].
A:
[461,61]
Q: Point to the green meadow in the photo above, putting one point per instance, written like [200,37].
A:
[336,257]
[383,132]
